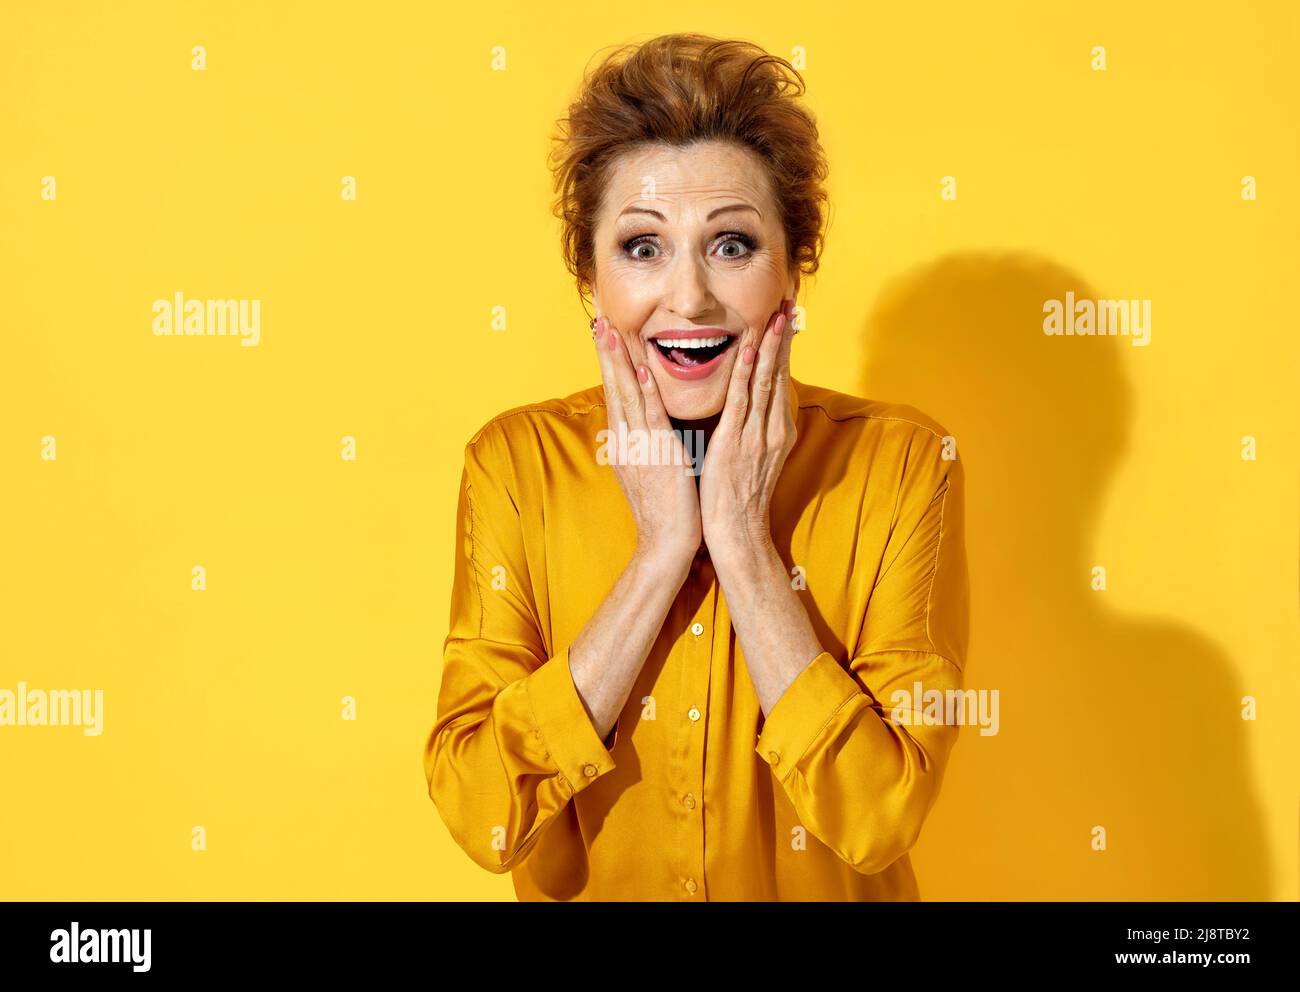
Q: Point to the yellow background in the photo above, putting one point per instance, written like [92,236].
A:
[329,578]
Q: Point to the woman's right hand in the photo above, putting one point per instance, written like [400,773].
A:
[661,489]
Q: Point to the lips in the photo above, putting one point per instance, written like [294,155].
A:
[692,354]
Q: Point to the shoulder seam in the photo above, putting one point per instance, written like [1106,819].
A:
[929,654]
[473,557]
[533,408]
[934,569]
[869,416]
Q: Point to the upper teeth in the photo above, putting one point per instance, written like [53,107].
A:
[690,342]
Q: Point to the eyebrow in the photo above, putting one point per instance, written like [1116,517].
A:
[712,213]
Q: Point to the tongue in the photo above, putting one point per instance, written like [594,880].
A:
[683,357]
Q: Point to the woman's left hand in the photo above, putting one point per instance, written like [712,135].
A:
[749,446]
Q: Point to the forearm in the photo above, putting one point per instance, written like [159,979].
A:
[607,655]
[771,623]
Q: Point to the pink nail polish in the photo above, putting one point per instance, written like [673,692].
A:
[642,374]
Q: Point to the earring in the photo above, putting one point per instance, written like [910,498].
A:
[593,328]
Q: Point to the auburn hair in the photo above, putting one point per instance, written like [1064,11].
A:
[678,89]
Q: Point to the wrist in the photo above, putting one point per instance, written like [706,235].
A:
[747,547]
[746,558]
[664,562]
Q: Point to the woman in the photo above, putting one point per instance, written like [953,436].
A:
[698,683]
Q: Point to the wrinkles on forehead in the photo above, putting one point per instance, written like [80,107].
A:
[685,185]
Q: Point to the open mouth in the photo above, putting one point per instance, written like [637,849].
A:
[689,353]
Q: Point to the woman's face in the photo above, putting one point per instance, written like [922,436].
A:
[690,240]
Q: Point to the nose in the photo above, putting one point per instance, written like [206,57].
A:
[688,293]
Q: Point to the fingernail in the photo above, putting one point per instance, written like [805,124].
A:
[748,355]
[780,323]
[642,374]
[611,340]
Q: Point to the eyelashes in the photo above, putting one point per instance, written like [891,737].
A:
[749,242]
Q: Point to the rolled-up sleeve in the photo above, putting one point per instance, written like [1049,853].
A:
[512,742]
[856,745]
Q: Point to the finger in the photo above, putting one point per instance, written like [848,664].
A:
[656,414]
[736,405]
[779,414]
[613,401]
[625,377]
[760,391]
[658,423]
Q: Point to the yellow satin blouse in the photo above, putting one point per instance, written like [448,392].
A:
[695,795]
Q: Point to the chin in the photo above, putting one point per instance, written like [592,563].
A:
[694,404]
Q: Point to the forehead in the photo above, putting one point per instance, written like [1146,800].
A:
[682,180]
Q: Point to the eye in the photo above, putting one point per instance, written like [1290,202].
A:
[732,244]
[636,244]
[737,239]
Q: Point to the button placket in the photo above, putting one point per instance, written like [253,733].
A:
[696,675]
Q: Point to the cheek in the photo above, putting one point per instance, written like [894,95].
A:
[623,296]
[635,349]
[757,295]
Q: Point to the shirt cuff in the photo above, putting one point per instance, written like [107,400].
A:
[561,722]
[809,706]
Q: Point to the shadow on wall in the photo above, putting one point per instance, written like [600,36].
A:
[1107,718]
